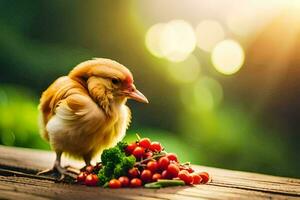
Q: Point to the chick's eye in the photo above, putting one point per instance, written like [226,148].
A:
[115,80]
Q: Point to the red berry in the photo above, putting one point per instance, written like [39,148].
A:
[185,176]
[156,176]
[89,169]
[165,175]
[133,172]
[138,152]
[81,176]
[196,178]
[204,176]
[145,143]
[152,166]
[163,163]
[155,146]
[148,154]
[114,183]
[173,170]
[135,182]
[91,180]
[190,170]
[124,180]
[146,175]
[129,149]
[172,156]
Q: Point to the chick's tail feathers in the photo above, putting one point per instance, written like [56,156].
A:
[42,129]
[44,113]
[50,99]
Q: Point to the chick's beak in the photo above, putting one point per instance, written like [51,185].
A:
[134,94]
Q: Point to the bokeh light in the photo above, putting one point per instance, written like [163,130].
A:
[153,39]
[204,95]
[178,40]
[209,33]
[228,57]
[208,93]
[186,71]
[174,40]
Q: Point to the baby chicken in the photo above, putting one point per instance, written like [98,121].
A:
[85,112]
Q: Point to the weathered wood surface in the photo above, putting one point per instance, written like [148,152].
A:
[17,165]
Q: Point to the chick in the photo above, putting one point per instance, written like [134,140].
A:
[83,113]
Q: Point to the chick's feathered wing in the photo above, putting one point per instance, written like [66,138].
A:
[73,123]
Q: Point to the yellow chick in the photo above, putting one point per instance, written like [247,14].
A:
[85,112]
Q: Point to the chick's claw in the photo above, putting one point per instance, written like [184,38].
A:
[61,173]
[66,176]
[72,169]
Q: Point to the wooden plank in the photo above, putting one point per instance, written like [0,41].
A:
[253,181]
[226,184]
[48,189]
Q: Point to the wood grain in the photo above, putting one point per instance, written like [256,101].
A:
[17,181]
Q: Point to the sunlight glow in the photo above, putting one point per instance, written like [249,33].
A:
[209,33]
[242,22]
[247,19]
[228,57]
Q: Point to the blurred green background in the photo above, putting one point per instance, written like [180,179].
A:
[222,77]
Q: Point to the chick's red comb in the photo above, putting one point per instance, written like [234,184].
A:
[128,80]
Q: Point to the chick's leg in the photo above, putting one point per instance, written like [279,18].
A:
[53,169]
[58,169]
[87,160]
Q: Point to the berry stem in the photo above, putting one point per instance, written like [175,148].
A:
[151,158]
[138,136]
[186,163]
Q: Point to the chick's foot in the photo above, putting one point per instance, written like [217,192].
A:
[61,173]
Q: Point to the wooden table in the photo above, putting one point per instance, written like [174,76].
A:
[17,181]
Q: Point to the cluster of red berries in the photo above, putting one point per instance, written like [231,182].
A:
[152,164]
[155,164]
[88,176]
